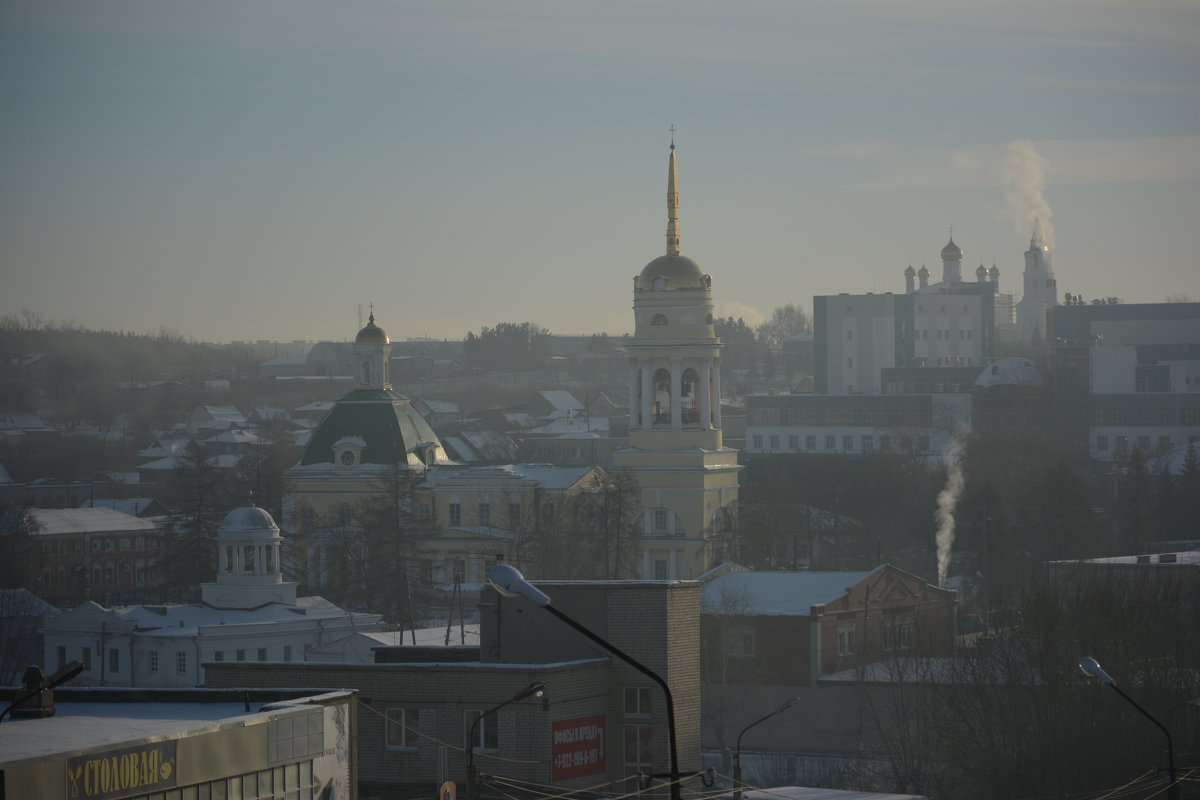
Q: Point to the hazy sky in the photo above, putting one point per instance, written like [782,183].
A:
[257,170]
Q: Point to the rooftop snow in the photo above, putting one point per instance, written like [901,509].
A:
[779,593]
[54,521]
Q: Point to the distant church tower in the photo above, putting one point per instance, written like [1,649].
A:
[688,478]
[1041,290]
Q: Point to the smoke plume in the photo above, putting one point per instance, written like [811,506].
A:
[1025,191]
[947,501]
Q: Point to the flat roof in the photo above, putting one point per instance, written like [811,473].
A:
[80,725]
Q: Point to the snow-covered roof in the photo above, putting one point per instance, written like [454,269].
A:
[221,462]
[1190,557]
[21,422]
[778,593]
[809,793]
[426,637]
[58,521]
[547,476]
[182,620]
[562,400]
[132,506]
[235,436]
[1011,371]
[442,406]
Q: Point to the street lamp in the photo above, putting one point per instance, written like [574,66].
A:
[509,582]
[535,689]
[737,755]
[1092,669]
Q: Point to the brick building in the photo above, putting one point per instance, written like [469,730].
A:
[420,702]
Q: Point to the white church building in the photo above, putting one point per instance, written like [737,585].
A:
[249,613]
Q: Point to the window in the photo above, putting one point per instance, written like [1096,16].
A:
[885,443]
[424,511]
[660,519]
[638,701]
[1144,443]
[486,737]
[402,725]
[287,652]
[241,655]
[830,442]
[638,750]
[181,662]
[62,656]
[114,660]
[849,335]
[86,657]
[152,661]
[743,642]
[758,441]
[845,636]
[868,444]
[262,654]
[658,319]
[217,656]
[308,517]
[923,444]
[547,513]
[660,569]
[458,570]
[485,513]
[1102,444]
[455,513]
[124,545]
[849,362]
[810,442]
[514,516]
[847,442]
[774,442]
[793,442]
[1164,443]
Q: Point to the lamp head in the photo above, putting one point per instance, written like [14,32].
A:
[1092,669]
[536,689]
[509,582]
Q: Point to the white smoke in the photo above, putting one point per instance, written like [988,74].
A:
[1025,191]
[947,501]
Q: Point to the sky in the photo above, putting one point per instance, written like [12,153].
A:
[233,170]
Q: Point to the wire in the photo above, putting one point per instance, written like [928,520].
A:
[435,740]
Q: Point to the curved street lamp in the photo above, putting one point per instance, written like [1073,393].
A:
[509,582]
[737,756]
[1092,669]
[535,689]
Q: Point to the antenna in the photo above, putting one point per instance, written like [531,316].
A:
[360,315]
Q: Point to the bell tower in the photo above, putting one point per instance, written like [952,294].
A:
[688,478]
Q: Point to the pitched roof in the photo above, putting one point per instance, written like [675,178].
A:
[52,521]
[779,593]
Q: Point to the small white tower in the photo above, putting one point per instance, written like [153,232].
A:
[248,570]
[1041,289]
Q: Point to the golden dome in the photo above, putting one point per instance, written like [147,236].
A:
[372,334]
[677,272]
[952,252]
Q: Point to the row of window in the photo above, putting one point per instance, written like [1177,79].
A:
[240,654]
[110,573]
[1122,444]
[866,443]
[107,544]
[403,728]
[897,635]
[288,782]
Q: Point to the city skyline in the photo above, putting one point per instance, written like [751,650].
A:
[240,172]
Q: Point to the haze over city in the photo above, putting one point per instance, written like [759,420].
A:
[260,171]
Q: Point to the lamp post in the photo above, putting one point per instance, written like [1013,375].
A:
[737,754]
[1092,669]
[535,689]
[509,582]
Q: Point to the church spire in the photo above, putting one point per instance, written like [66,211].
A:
[672,202]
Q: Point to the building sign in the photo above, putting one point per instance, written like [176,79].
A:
[578,748]
[149,767]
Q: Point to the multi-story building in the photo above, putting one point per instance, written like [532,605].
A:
[688,477]
[1130,376]
[76,554]
[248,613]
[599,723]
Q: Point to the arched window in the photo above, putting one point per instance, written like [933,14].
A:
[687,396]
[308,517]
[345,514]
[658,319]
[366,373]
[662,397]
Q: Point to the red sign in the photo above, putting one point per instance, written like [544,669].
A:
[578,748]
